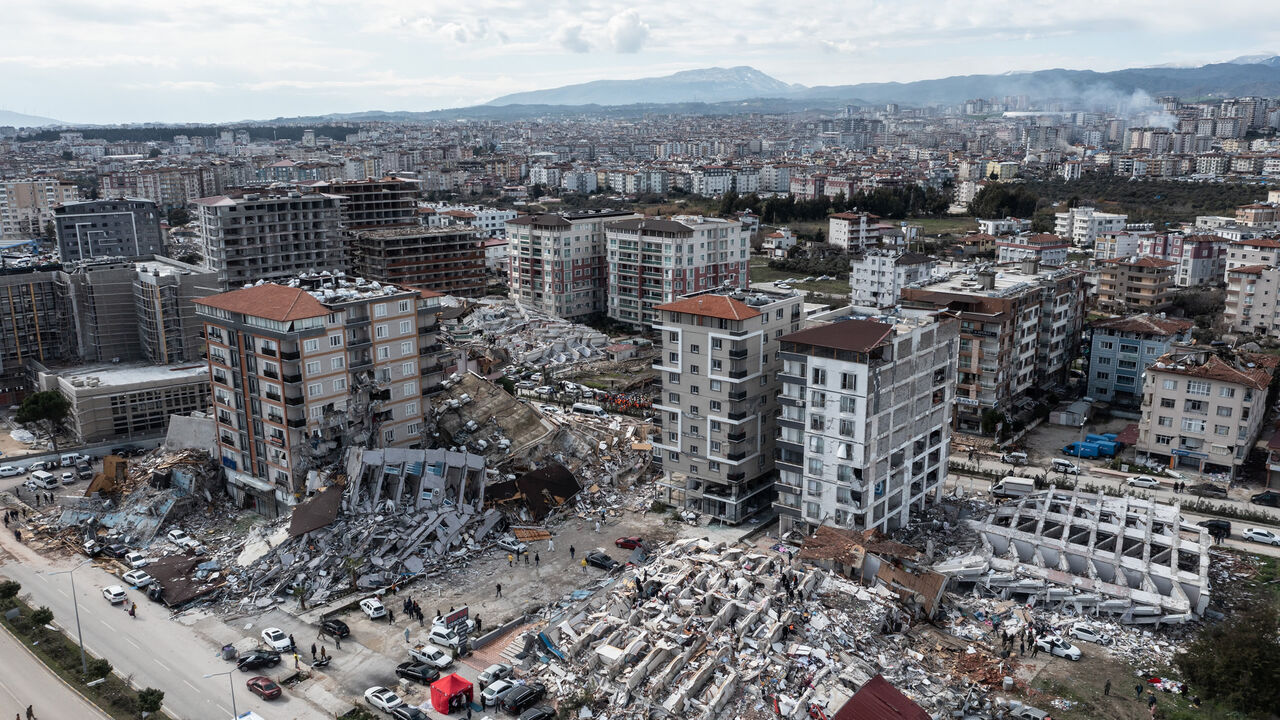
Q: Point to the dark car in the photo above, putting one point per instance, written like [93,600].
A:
[115,550]
[1208,490]
[538,712]
[1266,497]
[155,592]
[258,659]
[420,672]
[335,628]
[1216,527]
[127,450]
[264,687]
[521,697]
[404,712]
[629,543]
[598,559]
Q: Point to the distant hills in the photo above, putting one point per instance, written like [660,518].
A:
[707,85]
[20,120]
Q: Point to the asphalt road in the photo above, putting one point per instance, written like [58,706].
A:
[24,680]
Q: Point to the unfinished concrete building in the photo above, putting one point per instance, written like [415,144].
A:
[1121,556]
[35,324]
[448,260]
[413,477]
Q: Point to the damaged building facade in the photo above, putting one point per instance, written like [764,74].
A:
[298,372]
[864,424]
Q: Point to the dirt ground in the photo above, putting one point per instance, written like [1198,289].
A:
[1046,441]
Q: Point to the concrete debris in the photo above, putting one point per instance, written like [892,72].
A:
[529,336]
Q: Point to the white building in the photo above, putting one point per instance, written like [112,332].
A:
[1044,248]
[1083,224]
[491,221]
[1004,226]
[854,230]
[777,243]
[876,277]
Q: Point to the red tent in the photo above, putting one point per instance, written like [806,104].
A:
[449,691]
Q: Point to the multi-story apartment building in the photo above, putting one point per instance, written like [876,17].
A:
[127,228]
[1045,248]
[26,206]
[1019,329]
[1253,251]
[558,261]
[1082,225]
[35,325]
[372,203]
[164,295]
[270,235]
[877,276]
[1121,349]
[1143,283]
[652,261]
[865,422]
[718,364]
[1201,259]
[1004,226]
[1252,303]
[1119,244]
[299,372]
[1202,408]
[854,230]
[448,260]
[100,299]
[490,221]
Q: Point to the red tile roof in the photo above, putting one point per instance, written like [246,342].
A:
[878,700]
[1259,242]
[1250,269]
[855,335]
[714,306]
[270,301]
[1257,377]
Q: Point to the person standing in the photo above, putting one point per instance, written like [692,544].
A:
[510,560]
[497,593]
[551,544]
[537,562]
[584,565]
[1137,691]
[313,651]
[1106,689]
[571,552]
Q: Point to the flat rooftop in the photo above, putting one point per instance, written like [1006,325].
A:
[397,231]
[112,375]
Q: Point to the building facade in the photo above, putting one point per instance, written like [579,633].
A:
[124,228]
[448,260]
[865,422]
[558,261]
[35,325]
[1252,305]
[1044,248]
[1082,225]
[717,409]
[853,230]
[118,402]
[1135,284]
[1121,349]
[877,276]
[1253,251]
[26,206]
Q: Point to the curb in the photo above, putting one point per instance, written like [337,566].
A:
[45,665]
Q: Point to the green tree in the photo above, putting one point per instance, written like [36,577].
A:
[99,668]
[155,153]
[46,410]
[728,203]
[150,700]
[1242,677]
[42,616]
[178,216]
[9,589]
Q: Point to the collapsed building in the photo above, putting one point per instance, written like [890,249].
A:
[529,336]
[1126,557]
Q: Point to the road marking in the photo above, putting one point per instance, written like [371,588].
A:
[166,667]
[64,593]
[107,625]
[193,687]
[224,709]
[131,642]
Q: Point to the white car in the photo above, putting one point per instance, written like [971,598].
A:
[277,640]
[552,409]
[114,594]
[431,655]
[68,478]
[137,578]
[1143,481]
[183,540]
[493,673]
[1055,645]
[1088,633]
[494,692]
[11,471]
[1269,537]
[373,607]
[544,390]
[382,698]
[135,560]
[512,545]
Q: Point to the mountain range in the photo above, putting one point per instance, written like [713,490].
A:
[17,119]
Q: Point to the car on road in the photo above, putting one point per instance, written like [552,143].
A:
[1089,633]
[526,385]
[1064,466]
[11,471]
[68,478]
[521,697]
[544,390]
[264,687]
[1216,527]
[258,659]
[1055,645]
[492,674]
[1261,535]
[1270,498]
[629,543]
[538,712]
[137,578]
[418,672]
[1208,490]
[183,540]
[42,465]
[127,450]
[511,544]
[382,698]
[373,607]
[494,692]
[335,628]
[408,712]
[552,409]
[1014,458]
[595,558]
[1142,481]
[114,594]
[277,639]
[135,560]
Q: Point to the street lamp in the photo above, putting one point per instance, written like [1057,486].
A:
[230,681]
[75,601]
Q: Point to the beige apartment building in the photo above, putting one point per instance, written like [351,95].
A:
[1252,304]
[1141,284]
[1202,408]
[717,407]
[27,205]
[298,372]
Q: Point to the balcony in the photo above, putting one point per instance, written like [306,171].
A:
[290,355]
[736,456]
[298,423]
[268,351]
[738,374]
[737,436]
[739,415]
[273,396]
[357,321]
[359,342]
[736,476]
[293,378]
[738,354]
[738,395]
[271,374]
[294,401]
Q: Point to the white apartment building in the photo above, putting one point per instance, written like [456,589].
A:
[864,423]
[1044,248]
[854,231]
[1202,408]
[1253,251]
[491,221]
[1119,244]
[26,206]
[877,276]
[1004,226]
[1083,224]
[558,261]
[579,181]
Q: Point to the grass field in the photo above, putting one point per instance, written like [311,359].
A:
[943,226]
[761,272]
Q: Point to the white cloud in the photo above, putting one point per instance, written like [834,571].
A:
[627,32]
[570,38]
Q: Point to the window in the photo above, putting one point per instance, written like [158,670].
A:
[694,349]
[713,466]
[1191,425]
[715,386]
[339,384]
[818,398]
[411,408]
[338,363]
[406,327]
[1221,429]
[673,397]
[381,331]
[406,347]
[812,510]
[673,436]
[315,389]
[335,340]
[815,443]
[817,422]
[1224,411]
[1102,376]
[389,435]
[819,376]
[413,428]
[848,405]
[673,378]
[404,306]
[410,389]
[1164,421]
[1226,392]
[1164,439]
[1105,345]
[815,487]
[1197,387]
[715,406]
[408,369]
[848,381]
[715,426]
[694,370]
[673,455]
[380,310]
[1104,361]
[1170,385]
[716,343]
[673,357]
[673,336]
[693,389]
[1166,402]
[715,446]
[846,428]
[716,365]
[384,352]
[311,345]
[313,367]
[815,466]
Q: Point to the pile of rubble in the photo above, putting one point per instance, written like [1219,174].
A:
[529,336]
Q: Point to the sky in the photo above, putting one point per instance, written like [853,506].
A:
[114,61]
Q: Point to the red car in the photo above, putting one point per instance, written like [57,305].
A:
[264,687]
[629,543]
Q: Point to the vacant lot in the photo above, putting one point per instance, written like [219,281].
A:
[761,272]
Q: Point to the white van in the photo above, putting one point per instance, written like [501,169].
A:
[1064,466]
[589,409]
[45,480]
[1013,487]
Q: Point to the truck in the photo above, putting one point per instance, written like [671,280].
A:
[1081,449]
[1106,448]
[431,655]
[1013,487]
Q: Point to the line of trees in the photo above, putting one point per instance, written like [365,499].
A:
[895,202]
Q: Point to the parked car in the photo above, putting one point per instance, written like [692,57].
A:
[1064,466]
[552,409]
[115,550]
[11,471]
[277,639]
[1216,527]
[1055,645]
[1270,498]
[126,451]
[373,607]
[264,687]
[68,478]
[544,390]
[183,540]
[155,592]
[1208,490]
[258,659]
[135,559]
[629,543]
[42,465]
[1269,537]
[511,544]
[1022,711]
[335,628]
[418,672]
[521,697]
[1142,481]
[382,698]
[114,594]
[1089,633]
[408,712]
[431,655]
[595,558]
[492,674]
[1014,458]
[538,712]
[494,692]
[137,578]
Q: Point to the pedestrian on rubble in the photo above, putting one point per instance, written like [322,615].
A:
[293,644]
[584,565]
[597,526]
[1151,701]
[323,655]
[31,713]
[526,558]
[1106,689]
[571,552]
[551,545]
[479,625]
[296,664]
[313,651]
[497,591]
[510,560]
[391,616]
[1022,645]
[1137,691]
[537,562]
[337,641]
[406,634]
